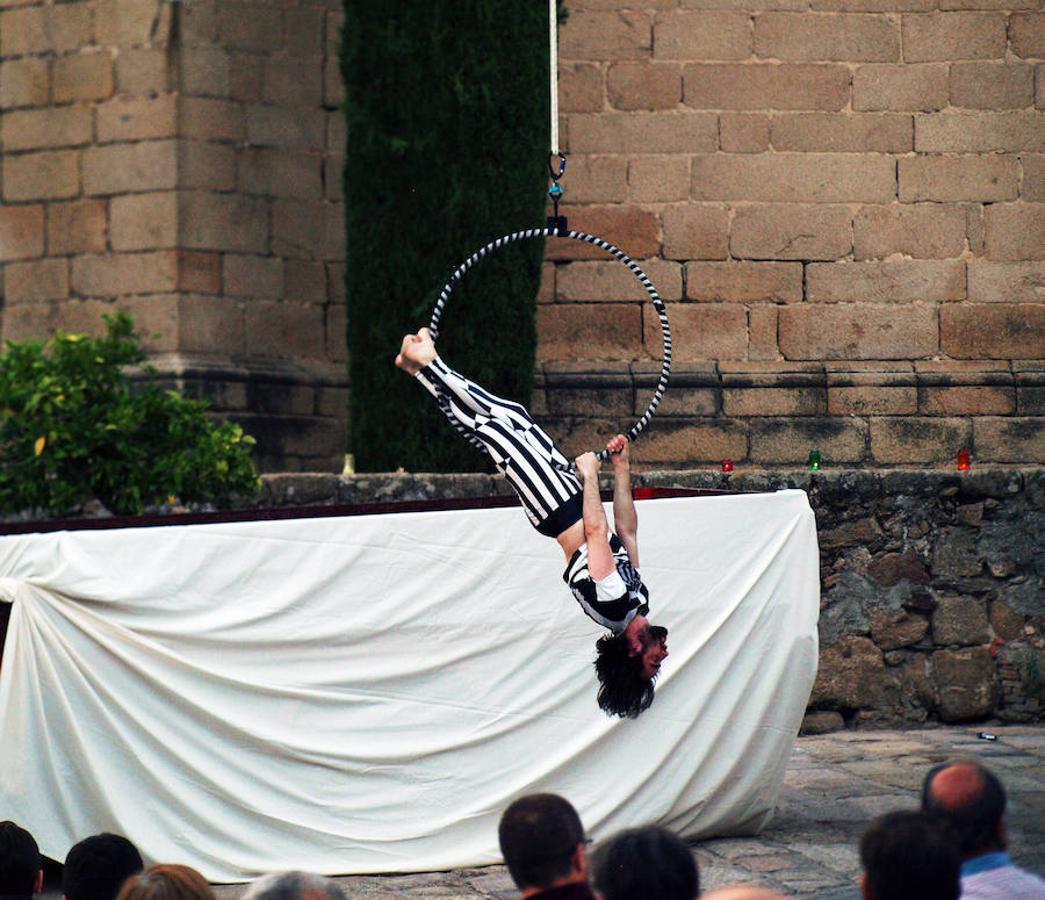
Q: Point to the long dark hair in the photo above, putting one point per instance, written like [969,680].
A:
[623,690]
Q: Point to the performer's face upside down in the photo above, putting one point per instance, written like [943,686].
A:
[650,644]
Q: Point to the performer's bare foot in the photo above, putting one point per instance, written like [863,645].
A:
[418,351]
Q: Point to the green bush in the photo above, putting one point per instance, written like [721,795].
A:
[447,116]
[74,426]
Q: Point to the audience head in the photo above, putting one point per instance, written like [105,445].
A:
[645,862]
[294,886]
[21,873]
[743,892]
[96,867]
[972,801]
[542,841]
[909,856]
[166,882]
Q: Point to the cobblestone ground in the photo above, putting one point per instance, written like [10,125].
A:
[835,784]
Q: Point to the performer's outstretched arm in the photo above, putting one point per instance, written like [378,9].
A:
[596,528]
[625,518]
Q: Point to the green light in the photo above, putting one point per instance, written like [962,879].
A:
[814,460]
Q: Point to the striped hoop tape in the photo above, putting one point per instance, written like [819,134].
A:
[658,304]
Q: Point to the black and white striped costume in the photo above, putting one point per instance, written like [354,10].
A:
[549,492]
[522,452]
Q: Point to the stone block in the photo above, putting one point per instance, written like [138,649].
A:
[598,179]
[917,440]
[643,132]
[290,330]
[142,71]
[922,231]
[890,569]
[702,35]
[84,76]
[246,77]
[21,232]
[900,88]
[199,272]
[788,441]
[581,87]
[232,222]
[1005,623]
[29,129]
[38,280]
[336,137]
[992,331]
[658,179]
[198,23]
[45,29]
[842,132]
[606,35]
[127,23]
[305,36]
[760,86]
[277,126]
[210,119]
[626,226]
[887,281]
[29,321]
[137,119]
[774,401]
[41,176]
[960,621]
[944,179]
[79,226]
[1032,184]
[118,274]
[308,230]
[762,333]
[889,391]
[336,288]
[295,82]
[148,166]
[706,441]
[791,231]
[599,281]
[24,82]
[632,85]
[991,85]
[1027,34]
[333,84]
[822,722]
[336,342]
[333,171]
[699,331]
[949,36]
[305,281]
[280,173]
[966,682]
[207,165]
[696,231]
[978,132]
[809,36]
[895,628]
[850,676]
[744,282]
[857,331]
[144,221]
[605,331]
[743,133]
[1015,231]
[248,26]
[795,177]
[253,276]
[1010,439]
[967,400]
[208,322]
[1006,282]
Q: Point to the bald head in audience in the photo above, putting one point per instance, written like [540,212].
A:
[743,892]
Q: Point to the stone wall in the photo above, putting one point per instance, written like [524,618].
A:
[183,160]
[932,583]
[841,203]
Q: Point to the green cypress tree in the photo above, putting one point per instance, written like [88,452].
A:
[447,108]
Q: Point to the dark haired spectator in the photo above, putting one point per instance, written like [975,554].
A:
[97,867]
[908,856]
[166,882]
[640,863]
[21,872]
[542,841]
[971,800]
[293,886]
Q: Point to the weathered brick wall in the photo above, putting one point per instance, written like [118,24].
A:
[183,160]
[841,203]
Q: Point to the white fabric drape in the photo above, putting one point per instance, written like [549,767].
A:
[367,694]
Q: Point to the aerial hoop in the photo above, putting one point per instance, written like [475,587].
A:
[658,304]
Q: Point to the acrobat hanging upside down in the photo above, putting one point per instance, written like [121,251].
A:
[602,566]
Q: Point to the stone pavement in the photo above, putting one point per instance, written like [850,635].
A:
[835,784]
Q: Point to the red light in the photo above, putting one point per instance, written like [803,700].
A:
[642,493]
[727,465]
[963,460]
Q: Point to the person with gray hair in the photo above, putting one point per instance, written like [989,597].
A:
[294,886]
